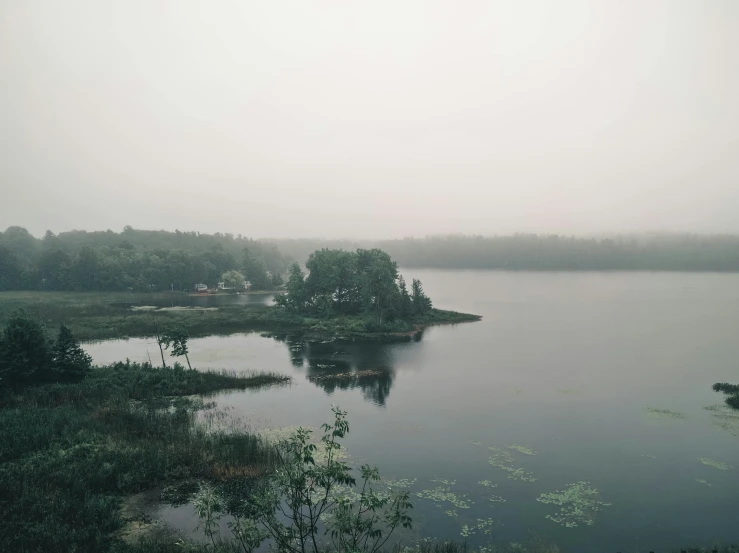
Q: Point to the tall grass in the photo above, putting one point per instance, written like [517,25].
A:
[69,453]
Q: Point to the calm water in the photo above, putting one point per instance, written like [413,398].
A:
[563,363]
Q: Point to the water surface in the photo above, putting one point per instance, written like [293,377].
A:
[565,364]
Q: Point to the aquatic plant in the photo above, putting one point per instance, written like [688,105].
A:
[443,494]
[715,464]
[475,443]
[704,482]
[483,524]
[649,456]
[725,418]
[487,484]
[522,449]
[579,502]
[665,414]
[504,461]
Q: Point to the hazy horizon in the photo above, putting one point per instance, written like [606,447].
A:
[370,120]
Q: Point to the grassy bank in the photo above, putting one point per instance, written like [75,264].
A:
[71,452]
[99,316]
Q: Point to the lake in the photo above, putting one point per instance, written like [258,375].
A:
[571,377]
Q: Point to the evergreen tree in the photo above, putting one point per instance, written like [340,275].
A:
[25,354]
[70,362]
[405,304]
[295,298]
[421,302]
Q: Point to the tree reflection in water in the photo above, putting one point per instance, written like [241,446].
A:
[333,366]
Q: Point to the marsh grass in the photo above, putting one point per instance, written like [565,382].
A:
[71,452]
[110,315]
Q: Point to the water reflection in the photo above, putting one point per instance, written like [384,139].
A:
[333,366]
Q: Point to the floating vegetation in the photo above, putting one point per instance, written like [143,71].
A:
[483,524]
[579,502]
[344,376]
[649,456]
[443,494]
[399,484]
[704,482]
[473,442]
[452,513]
[497,499]
[487,484]
[665,414]
[522,449]
[570,391]
[725,418]
[715,464]
[504,461]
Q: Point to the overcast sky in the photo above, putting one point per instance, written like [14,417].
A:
[370,118]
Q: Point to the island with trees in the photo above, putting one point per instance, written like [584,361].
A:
[351,294]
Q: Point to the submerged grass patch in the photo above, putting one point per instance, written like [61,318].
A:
[715,464]
[579,502]
[665,414]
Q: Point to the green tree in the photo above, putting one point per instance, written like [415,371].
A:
[421,302]
[405,304]
[379,273]
[312,493]
[255,271]
[177,338]
[277,280]
[25,353]
[69,361]
[295,298]
[233,279]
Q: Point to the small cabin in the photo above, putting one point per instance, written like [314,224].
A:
[200,287]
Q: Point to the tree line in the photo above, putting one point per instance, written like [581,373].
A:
[132,259]
[343,282]
[656,252]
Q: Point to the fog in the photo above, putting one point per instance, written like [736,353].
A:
[370,119]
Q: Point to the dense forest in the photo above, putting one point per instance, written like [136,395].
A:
[351,283]
[661,252]
[132,259]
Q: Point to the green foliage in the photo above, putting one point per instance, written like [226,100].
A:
[132,259]
[233,279]
[342,283]
[420,302]
[731,391]
[176,337]
[71,451]
[255,271]
[70,362]
[25,353]
[311,493]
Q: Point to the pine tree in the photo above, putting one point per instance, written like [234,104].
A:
[70,362]
[405,307]
[421,302]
